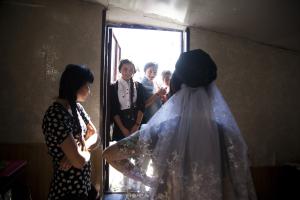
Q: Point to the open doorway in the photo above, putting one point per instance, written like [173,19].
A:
[140,45]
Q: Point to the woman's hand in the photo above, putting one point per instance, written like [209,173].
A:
[81,144]
[73,152]
[91,130]
[65,164]
[161,92]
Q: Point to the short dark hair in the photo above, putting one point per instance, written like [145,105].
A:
[126,61]
[150,64]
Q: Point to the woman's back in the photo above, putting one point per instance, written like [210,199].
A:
[194,142]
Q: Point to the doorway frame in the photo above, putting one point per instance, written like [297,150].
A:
[105,75]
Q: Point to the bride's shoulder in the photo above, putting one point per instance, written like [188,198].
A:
[171,123]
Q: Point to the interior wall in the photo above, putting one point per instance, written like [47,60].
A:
[260,84]
[117,15]
[37,39]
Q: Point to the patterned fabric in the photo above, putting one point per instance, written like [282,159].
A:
[58,124]
[196,150]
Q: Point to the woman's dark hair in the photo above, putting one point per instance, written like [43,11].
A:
[123,62]
[72,79]
[126,61]
[175,84]
[150,64]
[195,69]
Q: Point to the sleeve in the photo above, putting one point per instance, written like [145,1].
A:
[83,114]
[140,102]
[115,106]
[60,127]
[64,130]
[139,146]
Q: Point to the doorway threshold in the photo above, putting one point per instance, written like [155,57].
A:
[114,197]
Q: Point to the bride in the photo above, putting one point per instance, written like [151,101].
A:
[193,141]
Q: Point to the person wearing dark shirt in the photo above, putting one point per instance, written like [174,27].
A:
[70,137]
[127,99]
[152,97]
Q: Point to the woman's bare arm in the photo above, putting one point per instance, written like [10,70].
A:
[119,160]
[138,122]
[92,139]
[118,156]
[73,152]
[153,98]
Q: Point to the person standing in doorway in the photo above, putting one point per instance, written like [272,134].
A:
[166,78]
[127,99]
[152,94]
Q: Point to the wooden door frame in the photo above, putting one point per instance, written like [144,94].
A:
[106,74]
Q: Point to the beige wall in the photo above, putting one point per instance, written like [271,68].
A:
[37,39]
[260,84]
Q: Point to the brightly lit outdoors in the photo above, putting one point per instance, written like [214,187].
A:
[142,46]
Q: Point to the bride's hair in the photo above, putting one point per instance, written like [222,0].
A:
[195,69]
[175,84]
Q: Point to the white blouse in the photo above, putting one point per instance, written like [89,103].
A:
[124,95]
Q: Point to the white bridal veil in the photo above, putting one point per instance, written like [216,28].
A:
[193,144]
[196,150]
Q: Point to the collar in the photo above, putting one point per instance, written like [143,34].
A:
[123,82]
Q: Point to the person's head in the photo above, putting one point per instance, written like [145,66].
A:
[74,86]
[74,83]
[195,69]
[150,70]
[127,69]
[166,77]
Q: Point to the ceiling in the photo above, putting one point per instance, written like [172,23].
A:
[273,22]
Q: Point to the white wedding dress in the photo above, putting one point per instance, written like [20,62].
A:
[196,150]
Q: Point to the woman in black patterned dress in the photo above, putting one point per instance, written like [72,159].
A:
[70,136]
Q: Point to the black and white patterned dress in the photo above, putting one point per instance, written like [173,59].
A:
[58,123]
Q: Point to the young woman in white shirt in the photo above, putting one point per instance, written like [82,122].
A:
[128,103]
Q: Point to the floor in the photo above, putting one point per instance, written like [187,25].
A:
[114,197]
